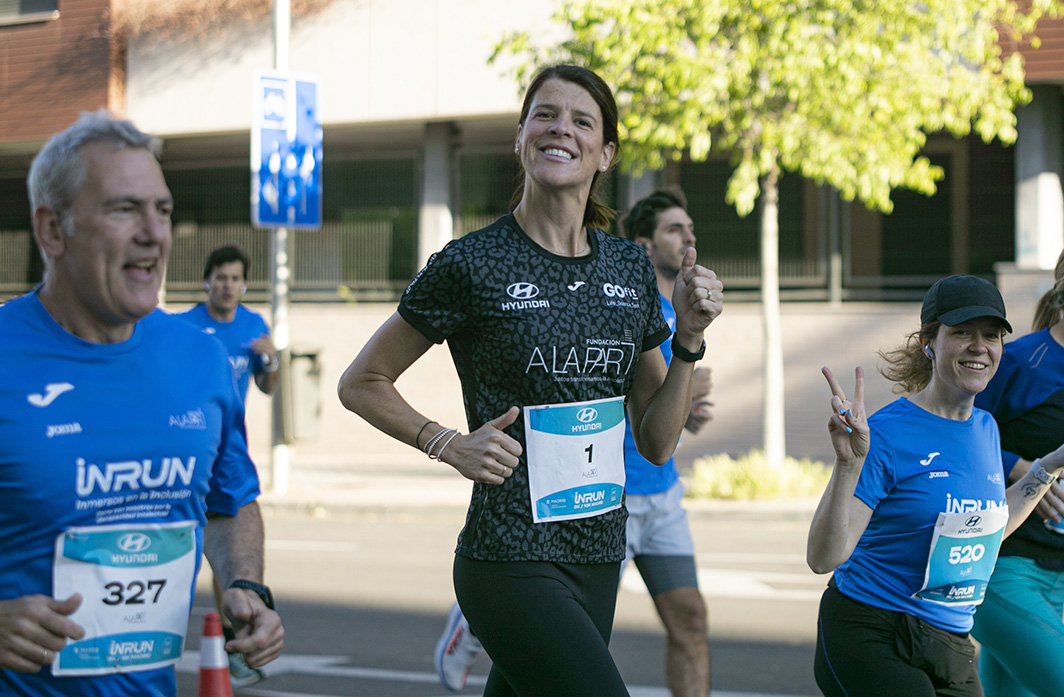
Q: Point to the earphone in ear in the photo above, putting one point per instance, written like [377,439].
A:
[206,286]
[243,289]
[929,352]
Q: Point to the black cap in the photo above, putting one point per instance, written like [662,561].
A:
[957,299]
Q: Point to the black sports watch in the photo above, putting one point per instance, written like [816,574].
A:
[259,589]
[687,356]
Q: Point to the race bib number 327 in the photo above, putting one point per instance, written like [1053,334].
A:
[135,581]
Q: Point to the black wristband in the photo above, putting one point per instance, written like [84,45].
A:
[417,438]
[257,588]
[687,356]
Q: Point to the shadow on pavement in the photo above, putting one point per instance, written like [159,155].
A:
[334,650]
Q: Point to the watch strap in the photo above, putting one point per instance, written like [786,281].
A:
[259,589]
[684,355]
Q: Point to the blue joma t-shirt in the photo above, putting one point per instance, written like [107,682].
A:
[643,477]
[918,465]
[237,336]
[142,432]
[1026,397]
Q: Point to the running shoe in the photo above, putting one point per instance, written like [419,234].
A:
[456,651]
[241,674]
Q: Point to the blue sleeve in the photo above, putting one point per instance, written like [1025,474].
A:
[260,329]
[878,476]
[657,330]
[998,399]
[234,479]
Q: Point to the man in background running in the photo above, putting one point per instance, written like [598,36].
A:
[251,353]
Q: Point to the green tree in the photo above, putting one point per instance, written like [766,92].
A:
[843,92]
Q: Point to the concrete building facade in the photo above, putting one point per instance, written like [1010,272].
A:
[418,146]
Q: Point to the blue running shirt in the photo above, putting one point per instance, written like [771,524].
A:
[643,477]
[1026,396]
[237,335]
[918,465]
[149,430]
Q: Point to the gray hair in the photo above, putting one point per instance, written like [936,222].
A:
[58,172]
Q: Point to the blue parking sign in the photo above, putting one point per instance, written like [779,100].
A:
[286,152]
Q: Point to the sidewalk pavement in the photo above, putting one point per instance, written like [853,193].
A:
[378,488]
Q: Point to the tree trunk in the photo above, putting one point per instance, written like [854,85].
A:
[773,435]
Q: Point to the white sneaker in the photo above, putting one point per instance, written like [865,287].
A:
[456,651]
[241,674]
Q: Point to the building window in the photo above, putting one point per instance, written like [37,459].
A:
[27,11]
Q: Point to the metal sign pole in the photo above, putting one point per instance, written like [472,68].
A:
[280,461]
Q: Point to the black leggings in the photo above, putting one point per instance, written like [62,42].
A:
[865,651]
[546,626]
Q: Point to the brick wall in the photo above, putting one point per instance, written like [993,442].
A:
[51,71]
[1046,63]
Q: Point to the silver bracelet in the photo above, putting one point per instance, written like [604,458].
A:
[447,442]
[1040,473]
[427,449]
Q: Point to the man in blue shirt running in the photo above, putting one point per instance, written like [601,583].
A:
[122,450]
[658,534]
[251,352]
[244,333]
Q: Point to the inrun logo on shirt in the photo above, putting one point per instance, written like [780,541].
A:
[132,475]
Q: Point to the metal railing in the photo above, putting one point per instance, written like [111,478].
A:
[342,260]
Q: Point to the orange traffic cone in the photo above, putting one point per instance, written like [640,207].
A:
[214,664]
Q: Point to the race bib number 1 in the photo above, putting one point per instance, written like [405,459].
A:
[136,585]
[575,458]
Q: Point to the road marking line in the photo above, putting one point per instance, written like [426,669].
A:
[310,546]
[326,666]
[734,583]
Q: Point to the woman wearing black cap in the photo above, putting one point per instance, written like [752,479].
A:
[912,518]
[1019,624]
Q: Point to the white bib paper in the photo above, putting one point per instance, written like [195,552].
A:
[963,552]
[136,585]
[575,458]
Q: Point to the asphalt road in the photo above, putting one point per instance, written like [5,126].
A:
[364,596]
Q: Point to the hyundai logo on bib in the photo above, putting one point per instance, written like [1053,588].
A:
[134,542]
[522,291]
[587,414]
[974,520]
